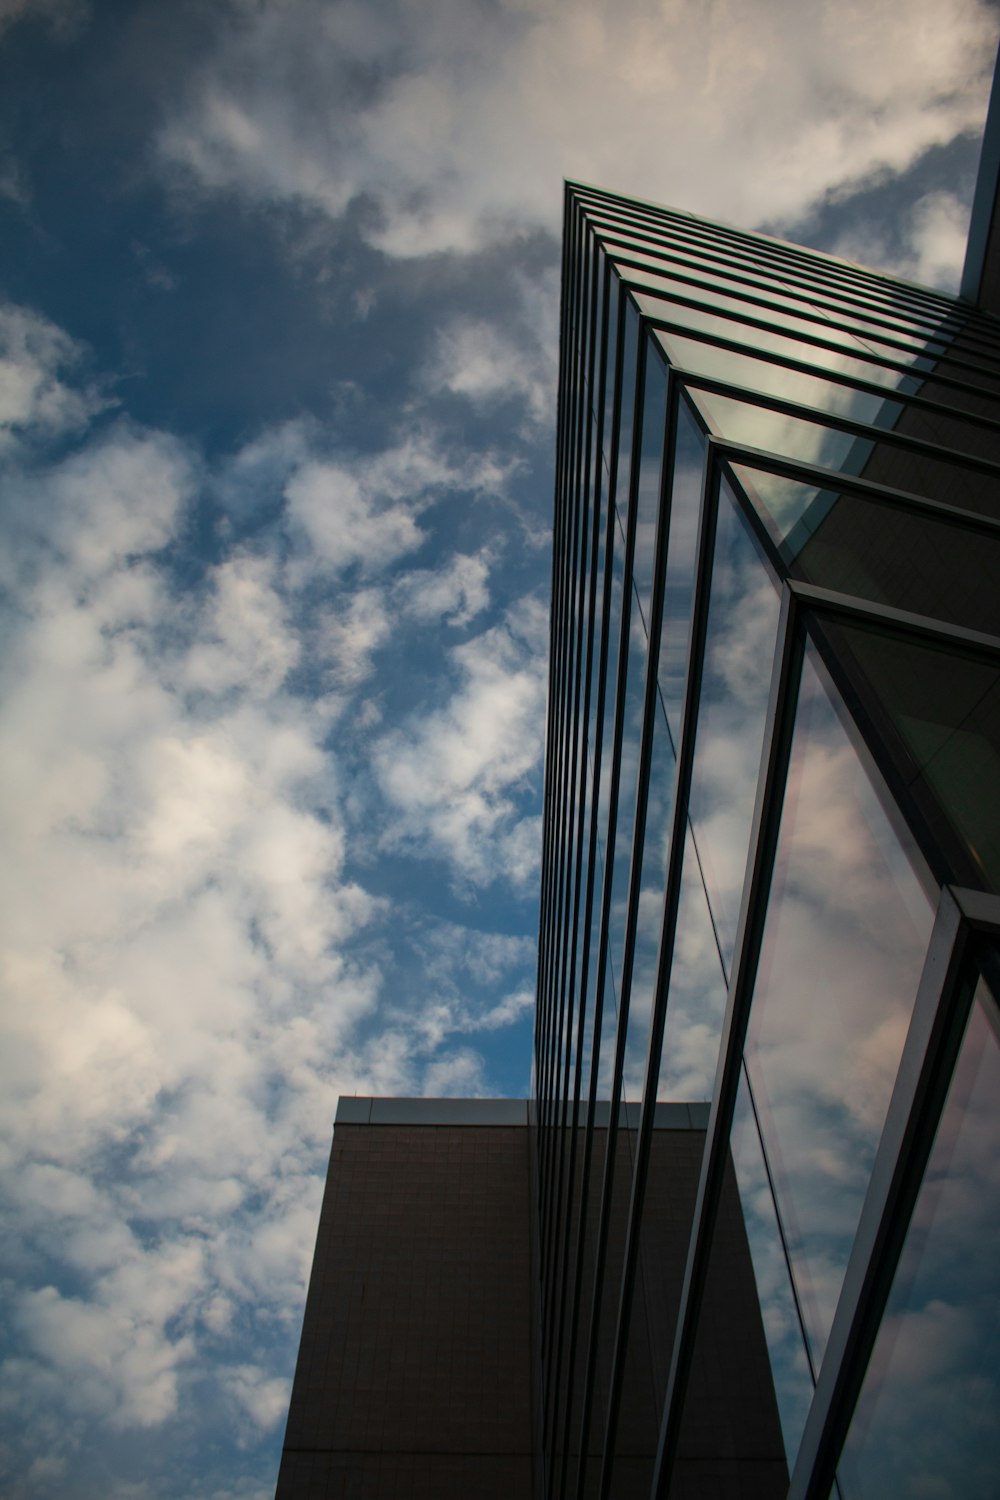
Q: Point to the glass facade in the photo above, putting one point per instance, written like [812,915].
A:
[770,876]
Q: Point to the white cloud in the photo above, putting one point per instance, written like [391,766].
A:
[453,774]
[246,642]
[935,236]
[460,120]
[264,1397]
[458,1073]
[344,524]
[362,512]
[455,593]
[351,634]
[181,1003]
[511,1008]
[33,396]
[177,1002]
[488,364]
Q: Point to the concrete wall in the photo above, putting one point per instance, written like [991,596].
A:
[414,1370]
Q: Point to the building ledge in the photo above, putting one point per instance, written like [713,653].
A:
[486,1112]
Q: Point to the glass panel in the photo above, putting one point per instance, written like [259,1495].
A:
[630,350]
[739,649]
[776,380]
[785,504]
[926,1423]
[730,1443]
[819,442]
[844,290]
[661,779]
[793,1381]
[659,807]
[696,1002]
[844,941]
[945,707]
[685,508]
[727,322]
[654,410]
[929,564]
[609,368]
[596,297]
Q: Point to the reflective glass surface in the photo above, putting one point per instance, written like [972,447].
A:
[696,1000]
[609,369]
[820,442]
[654,411]
[661,778]
[690,452]
[793,1379]
[847,920]
[927,1420]
[650,913]
[777,380]
[920,561]
[730,322]
[844,941]
[739,650]
[630,351]
[944,704]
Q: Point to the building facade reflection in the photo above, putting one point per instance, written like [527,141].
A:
[771,865]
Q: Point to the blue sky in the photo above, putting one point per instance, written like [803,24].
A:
[278,324]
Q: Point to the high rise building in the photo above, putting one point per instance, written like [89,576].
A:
[741,1241]
[772,853]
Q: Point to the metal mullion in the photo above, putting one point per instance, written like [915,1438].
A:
[708,521]
[583,498]
[904,622]
[558,856]
[771,555]
[581,486]
[848,290]
[861,353]
[865,327]
[948,327]
[766,277]
[560,993]
[598,755]
[589,486]
[819,418]
[558,862]
[547,958]
[805,309]
[609,541]
[567,755]
[543,1139]
[944,998]
[569,471]
[591,864]
[820,268]
[554,755]
[553,629]
[621,684]
[578,791]
[562,1248]
[570,293]
[750,930]
[926,819]
[732,452]
[821,372]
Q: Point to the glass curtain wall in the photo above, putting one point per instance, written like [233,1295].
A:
[766,999]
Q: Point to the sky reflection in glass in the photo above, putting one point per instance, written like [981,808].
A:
[847,928]
[793,1383]
[739,650]
[926,1423]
